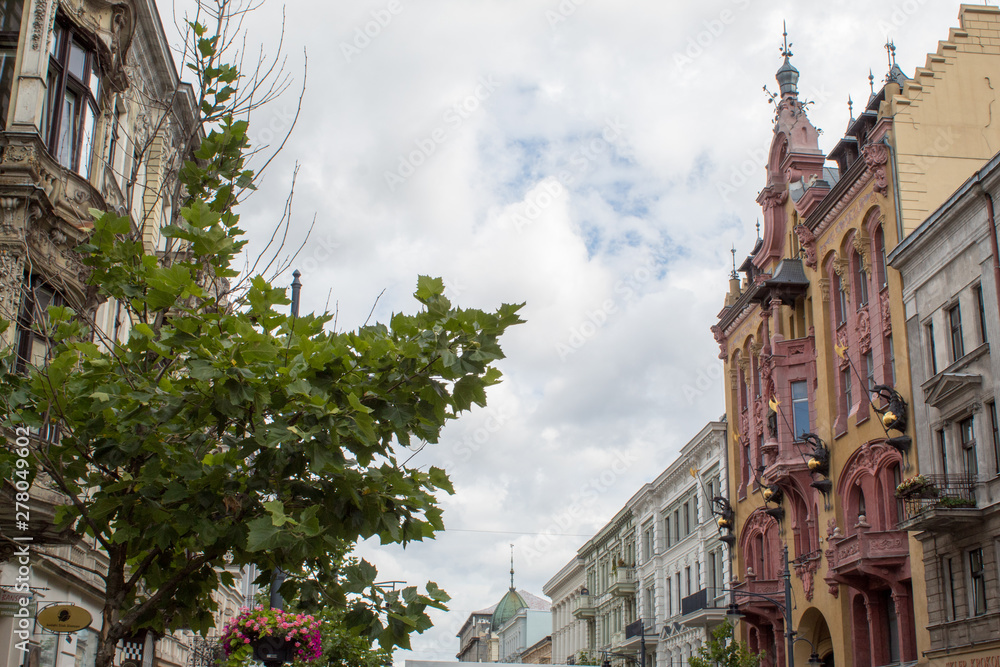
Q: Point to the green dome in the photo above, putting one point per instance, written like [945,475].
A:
[508,606]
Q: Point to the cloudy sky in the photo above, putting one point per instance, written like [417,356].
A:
[596,159]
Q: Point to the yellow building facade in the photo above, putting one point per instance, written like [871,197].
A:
[814,343]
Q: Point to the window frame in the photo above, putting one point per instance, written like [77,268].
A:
[8,55]
[995,428]
[955,329]
[931,347]
[797,404]
[981,307]
[59,80]
[967,438]
[978,602]
[861,281]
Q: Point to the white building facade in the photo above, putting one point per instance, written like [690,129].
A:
[570,633]
[683,567]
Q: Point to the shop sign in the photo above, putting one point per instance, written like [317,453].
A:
[64,618]
[10,602]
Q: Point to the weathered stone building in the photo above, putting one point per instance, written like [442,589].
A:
[94,116]
[950,267]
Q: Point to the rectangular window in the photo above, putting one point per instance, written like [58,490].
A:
[800,408]
[647,541]
[670,597]
[981,305]
[677,525]
[931,349]
[978,574]
[869,371]
[841,302]
[666,532]
[687,579]
[955,324]
[968,436]
[687,520]
[677,583]
[995,426]
[943,451]
[948,575]
[845,380]
[862,278]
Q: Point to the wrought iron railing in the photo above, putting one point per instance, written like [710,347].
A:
[207,652]
[941,492]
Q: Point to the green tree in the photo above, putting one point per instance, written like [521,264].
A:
[220,430]
[722,650]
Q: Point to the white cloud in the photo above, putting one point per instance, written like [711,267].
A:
[622,261]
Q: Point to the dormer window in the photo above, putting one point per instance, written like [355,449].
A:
[72,99]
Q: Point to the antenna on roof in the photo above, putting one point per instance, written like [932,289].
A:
[734,276]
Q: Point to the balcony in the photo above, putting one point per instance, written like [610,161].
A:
[855,558]
[754,605]
[703,609]
[583,607]
[634,633]
[946,504]
[623,582]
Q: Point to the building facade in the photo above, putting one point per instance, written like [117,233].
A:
[683,567]
[817,359]
[950,267]
[94,116]
[571,639]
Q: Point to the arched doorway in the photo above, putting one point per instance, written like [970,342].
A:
[814,630]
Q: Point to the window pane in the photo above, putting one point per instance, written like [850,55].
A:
[95,81]
[10,15]
[87,146]
[7,56]
[78,60]
[800,408]
[67,130]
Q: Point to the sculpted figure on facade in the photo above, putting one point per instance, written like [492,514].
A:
[808,241]
[876,155]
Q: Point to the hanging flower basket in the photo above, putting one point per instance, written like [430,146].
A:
[284,635]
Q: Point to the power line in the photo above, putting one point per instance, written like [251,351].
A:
[515,532]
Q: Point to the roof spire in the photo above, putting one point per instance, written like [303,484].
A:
[758,229]
[787,76]
[890,50]
[733,275]
[850,107]
[786,48]
[511,567]
[871,84]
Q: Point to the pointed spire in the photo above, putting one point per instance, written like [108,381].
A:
[511,567]
[758,229]
[787,76]
[733,275]
[890,50]
[871,84]
[850,107]
[786,48]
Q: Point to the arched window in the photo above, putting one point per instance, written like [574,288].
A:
[839,301]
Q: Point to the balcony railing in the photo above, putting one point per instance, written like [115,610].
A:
[583,607]
[703,608]
[945,502]
[623,582]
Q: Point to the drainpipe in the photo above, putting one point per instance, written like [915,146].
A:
[993,242]
[895,190]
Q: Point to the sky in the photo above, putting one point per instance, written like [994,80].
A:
[594,159]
